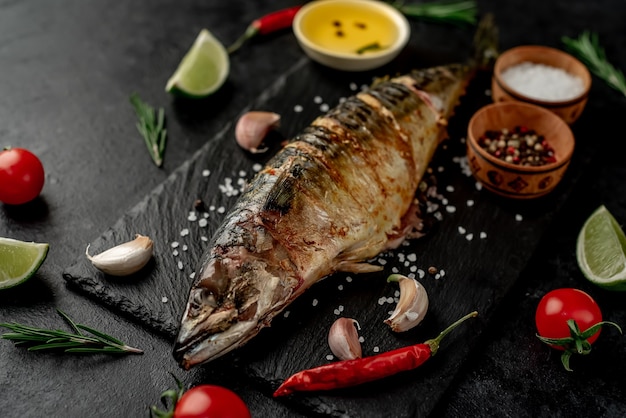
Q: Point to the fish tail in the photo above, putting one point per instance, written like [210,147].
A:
[485,44]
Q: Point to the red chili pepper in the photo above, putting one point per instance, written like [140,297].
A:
[271,22]
[361,370]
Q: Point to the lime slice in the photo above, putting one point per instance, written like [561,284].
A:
[601,251]
[202,70]
[19,260]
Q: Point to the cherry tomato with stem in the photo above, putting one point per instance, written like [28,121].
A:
[21,176]
[569,320]
[202,401]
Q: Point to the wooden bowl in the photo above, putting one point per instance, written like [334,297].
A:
[514,180]
[569,110]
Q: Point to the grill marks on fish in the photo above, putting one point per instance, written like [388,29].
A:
[338,194]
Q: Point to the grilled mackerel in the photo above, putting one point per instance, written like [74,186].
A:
[335,196]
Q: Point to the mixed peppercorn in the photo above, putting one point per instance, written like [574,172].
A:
[519,145]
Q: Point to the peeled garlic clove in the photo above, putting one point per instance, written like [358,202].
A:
[412,305]
[252,127]
[125,259]
[343,339]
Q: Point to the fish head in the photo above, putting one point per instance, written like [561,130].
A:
[237,295]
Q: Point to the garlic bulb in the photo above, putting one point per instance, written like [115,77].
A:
[411,307]
[252,127]
[124,259]
[343,339]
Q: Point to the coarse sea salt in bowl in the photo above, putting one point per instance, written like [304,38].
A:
[542,76]
[525,161]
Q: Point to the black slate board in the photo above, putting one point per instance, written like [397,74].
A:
[478,272]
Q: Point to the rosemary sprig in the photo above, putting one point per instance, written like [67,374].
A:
[151,126]
[588,49]
[38,339]
[446,11]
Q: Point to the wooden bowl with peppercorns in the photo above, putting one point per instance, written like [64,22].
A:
[542,76]
[518,150]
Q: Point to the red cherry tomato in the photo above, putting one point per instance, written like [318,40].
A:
[557,306]
[21,176]
[209,401]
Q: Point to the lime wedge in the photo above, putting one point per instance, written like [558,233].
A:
[601,251]
[202,70]
[19,260]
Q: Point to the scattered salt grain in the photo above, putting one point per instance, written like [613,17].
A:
[450,188]
[413,269]
[286,314]
[185,248]
[315,302]
[180,265]
[175,253]
[206,173]
[174,244]
[444,201]
[242,173]
[437,215]
[437,276]
[361,339]
[324,107]
[461,230]
[441,169]
[204,239]
[470,203]
[164,299]
[257,167]
[382,261]
[193,216]
[421,273]
[483,235]
[192,275]
[479,186]
[184,232]
[376,349]
[543,82]
[442,272]
[348,279]
[518,217]
[450,209]
[353,86]
[330,357]
[298,108]
[203,223]
[317,99]
[412,257]
[221,209]
[488,92]
[395,270]
[469,237]
[340,287]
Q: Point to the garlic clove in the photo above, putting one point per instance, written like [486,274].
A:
[124,259]
[412,305]
[252,127]
[343,339]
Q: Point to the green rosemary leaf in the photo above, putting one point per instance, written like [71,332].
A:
[446,11]
[69,321]
[100,335]
[151,128]
[53,346]
[588,49]
[88,350]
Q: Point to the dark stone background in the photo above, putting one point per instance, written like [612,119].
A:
[67,70]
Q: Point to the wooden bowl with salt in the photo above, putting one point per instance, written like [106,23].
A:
[518,180]
[542,76]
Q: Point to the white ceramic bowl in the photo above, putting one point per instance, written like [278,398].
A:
[332,31]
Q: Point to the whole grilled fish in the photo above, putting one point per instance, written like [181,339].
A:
[335,196]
